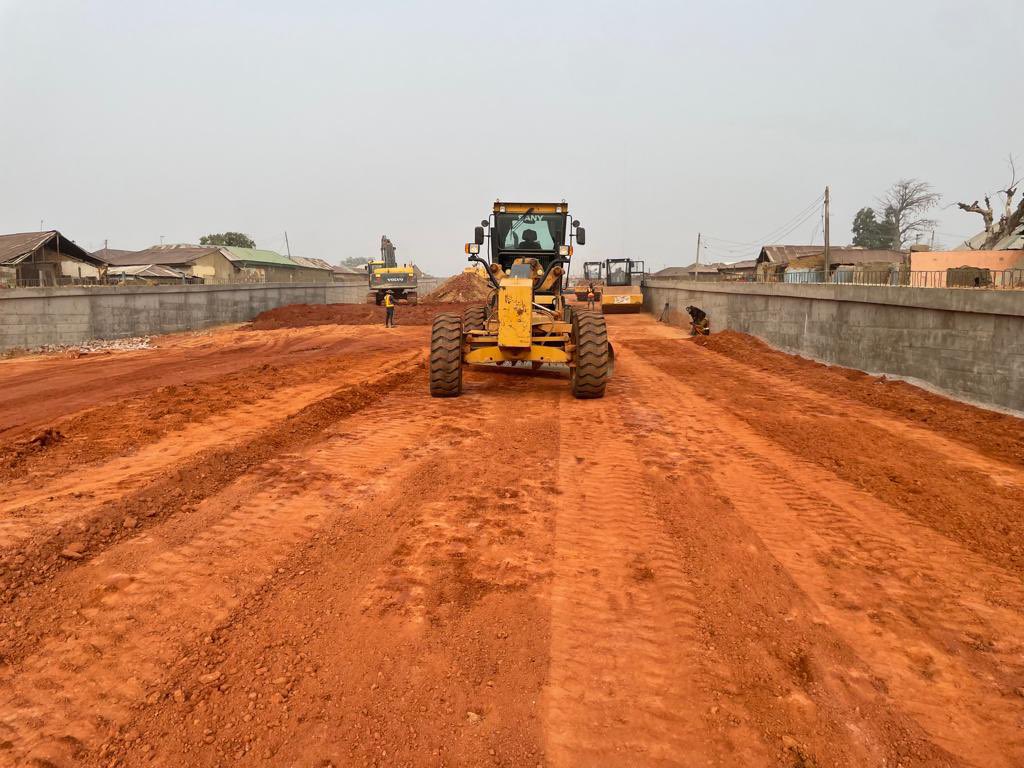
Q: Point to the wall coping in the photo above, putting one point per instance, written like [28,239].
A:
[981,301]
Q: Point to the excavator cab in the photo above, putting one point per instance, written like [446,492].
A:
[526,320]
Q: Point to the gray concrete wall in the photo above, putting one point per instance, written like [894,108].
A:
[967,343]
[32,317]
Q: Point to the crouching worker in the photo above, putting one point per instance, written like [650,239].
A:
[699,323]
[389,310]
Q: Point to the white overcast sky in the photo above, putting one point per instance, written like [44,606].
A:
[128,120]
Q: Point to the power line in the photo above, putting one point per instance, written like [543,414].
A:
[780,231]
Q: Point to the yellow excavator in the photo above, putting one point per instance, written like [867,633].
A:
[526,320]
[385,275]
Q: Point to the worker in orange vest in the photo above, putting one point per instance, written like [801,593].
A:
[590,296]
[389,310]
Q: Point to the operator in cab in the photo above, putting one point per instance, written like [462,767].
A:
[389,310]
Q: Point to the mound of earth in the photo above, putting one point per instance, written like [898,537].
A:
[467,287]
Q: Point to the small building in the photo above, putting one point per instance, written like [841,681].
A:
[150,274]
[199,263]
[960,268]
[257,265]
[739,270]
[48,258]
[702,273]
[346,274]
[848,264]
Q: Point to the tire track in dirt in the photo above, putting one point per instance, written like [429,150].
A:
[937,624]
[178,490]
[412,630]
[627,683]
[937,489]
[120,649]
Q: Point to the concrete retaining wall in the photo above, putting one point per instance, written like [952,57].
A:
[32,317]
[967,343]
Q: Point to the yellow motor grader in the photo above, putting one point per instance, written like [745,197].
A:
[526,319]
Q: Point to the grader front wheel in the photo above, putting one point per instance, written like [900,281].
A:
[446,356]
[593,355]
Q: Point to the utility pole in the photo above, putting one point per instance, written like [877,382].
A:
[696,264]
[287,245]
[828,254]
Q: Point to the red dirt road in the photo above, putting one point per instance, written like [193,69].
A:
[271,547]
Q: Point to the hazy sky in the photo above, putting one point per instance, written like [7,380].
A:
[130,120]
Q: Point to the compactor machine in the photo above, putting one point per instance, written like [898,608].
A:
[592,276]
[526,320]
[622,291]
[384,275]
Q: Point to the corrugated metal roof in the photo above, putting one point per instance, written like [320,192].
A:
[167,255]
[1013,241]
[702,269]
[106,254]
[748,264]
[345,269]
[258,256]
[146,270]
[302,261]
[14,248]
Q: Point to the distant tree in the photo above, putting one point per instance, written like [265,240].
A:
[233,239]
[905,205]
[869,232]
[1010,220]
[354,261]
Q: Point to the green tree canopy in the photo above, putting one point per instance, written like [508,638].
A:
[869,232]
[234,239]
[354,261]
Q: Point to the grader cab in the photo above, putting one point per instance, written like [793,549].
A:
[526,320]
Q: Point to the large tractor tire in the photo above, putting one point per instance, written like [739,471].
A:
[593,366]
[446,356]
[474,319]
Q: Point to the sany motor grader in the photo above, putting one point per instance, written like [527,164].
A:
[526,319]
[591,278]
[385,275]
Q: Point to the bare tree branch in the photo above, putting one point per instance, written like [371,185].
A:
[985,213]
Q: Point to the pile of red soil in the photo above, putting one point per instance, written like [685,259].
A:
[302,315]
[468,287]
[997,434]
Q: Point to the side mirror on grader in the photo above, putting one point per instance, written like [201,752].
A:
[526,320]
[581,236]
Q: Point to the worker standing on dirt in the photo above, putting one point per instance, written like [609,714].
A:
[700,325]
[590,296]
[389,310]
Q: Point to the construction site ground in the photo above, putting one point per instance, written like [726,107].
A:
[271,547]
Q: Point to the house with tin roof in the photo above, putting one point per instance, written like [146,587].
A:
[258,265]
[30,259]
[206,263]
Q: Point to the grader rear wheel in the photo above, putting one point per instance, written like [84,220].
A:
[446,356]
[593,355]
